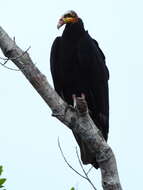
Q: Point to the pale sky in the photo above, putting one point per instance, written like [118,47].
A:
[28,137]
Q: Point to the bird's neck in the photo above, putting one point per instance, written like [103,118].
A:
[74,31]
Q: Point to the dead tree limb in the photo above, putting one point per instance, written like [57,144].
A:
[78,120]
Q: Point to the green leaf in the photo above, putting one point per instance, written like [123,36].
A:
[72,188]
[1,170]
[2,181]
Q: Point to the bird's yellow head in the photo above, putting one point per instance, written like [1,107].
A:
[68,17]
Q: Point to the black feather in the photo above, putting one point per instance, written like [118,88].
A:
[78,66]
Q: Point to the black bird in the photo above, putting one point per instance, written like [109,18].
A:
[78,66]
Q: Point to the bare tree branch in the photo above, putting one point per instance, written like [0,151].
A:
[3,64]
[8,59]
[85,173]
[68,162]
[87,178]
[89,170]
[78,120]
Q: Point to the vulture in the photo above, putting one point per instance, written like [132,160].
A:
[78,67]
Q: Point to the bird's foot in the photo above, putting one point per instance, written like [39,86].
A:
[80,103]
[74,100]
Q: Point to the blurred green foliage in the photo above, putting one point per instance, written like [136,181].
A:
[72,188]
[2,180]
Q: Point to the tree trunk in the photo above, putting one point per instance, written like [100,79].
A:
[77,120]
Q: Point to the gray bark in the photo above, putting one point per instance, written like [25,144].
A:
[77,120]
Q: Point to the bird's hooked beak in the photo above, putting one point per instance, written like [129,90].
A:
[60,23]
[65,20]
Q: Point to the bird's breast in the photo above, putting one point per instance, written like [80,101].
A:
[68,68]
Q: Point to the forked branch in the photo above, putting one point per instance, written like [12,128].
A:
[85,176]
